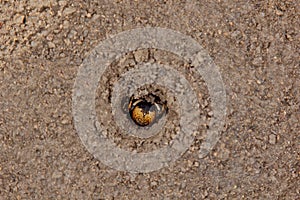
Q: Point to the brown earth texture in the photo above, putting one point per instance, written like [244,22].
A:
[255,45]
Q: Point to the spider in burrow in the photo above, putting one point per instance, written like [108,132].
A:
[144,112]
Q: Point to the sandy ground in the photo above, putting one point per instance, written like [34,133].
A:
[254,43]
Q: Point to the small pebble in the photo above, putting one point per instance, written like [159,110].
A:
[69,11]
[272,139]
[51,45]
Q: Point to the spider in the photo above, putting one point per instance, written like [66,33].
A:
[144,113]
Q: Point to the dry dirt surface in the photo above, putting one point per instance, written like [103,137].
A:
[255,44]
